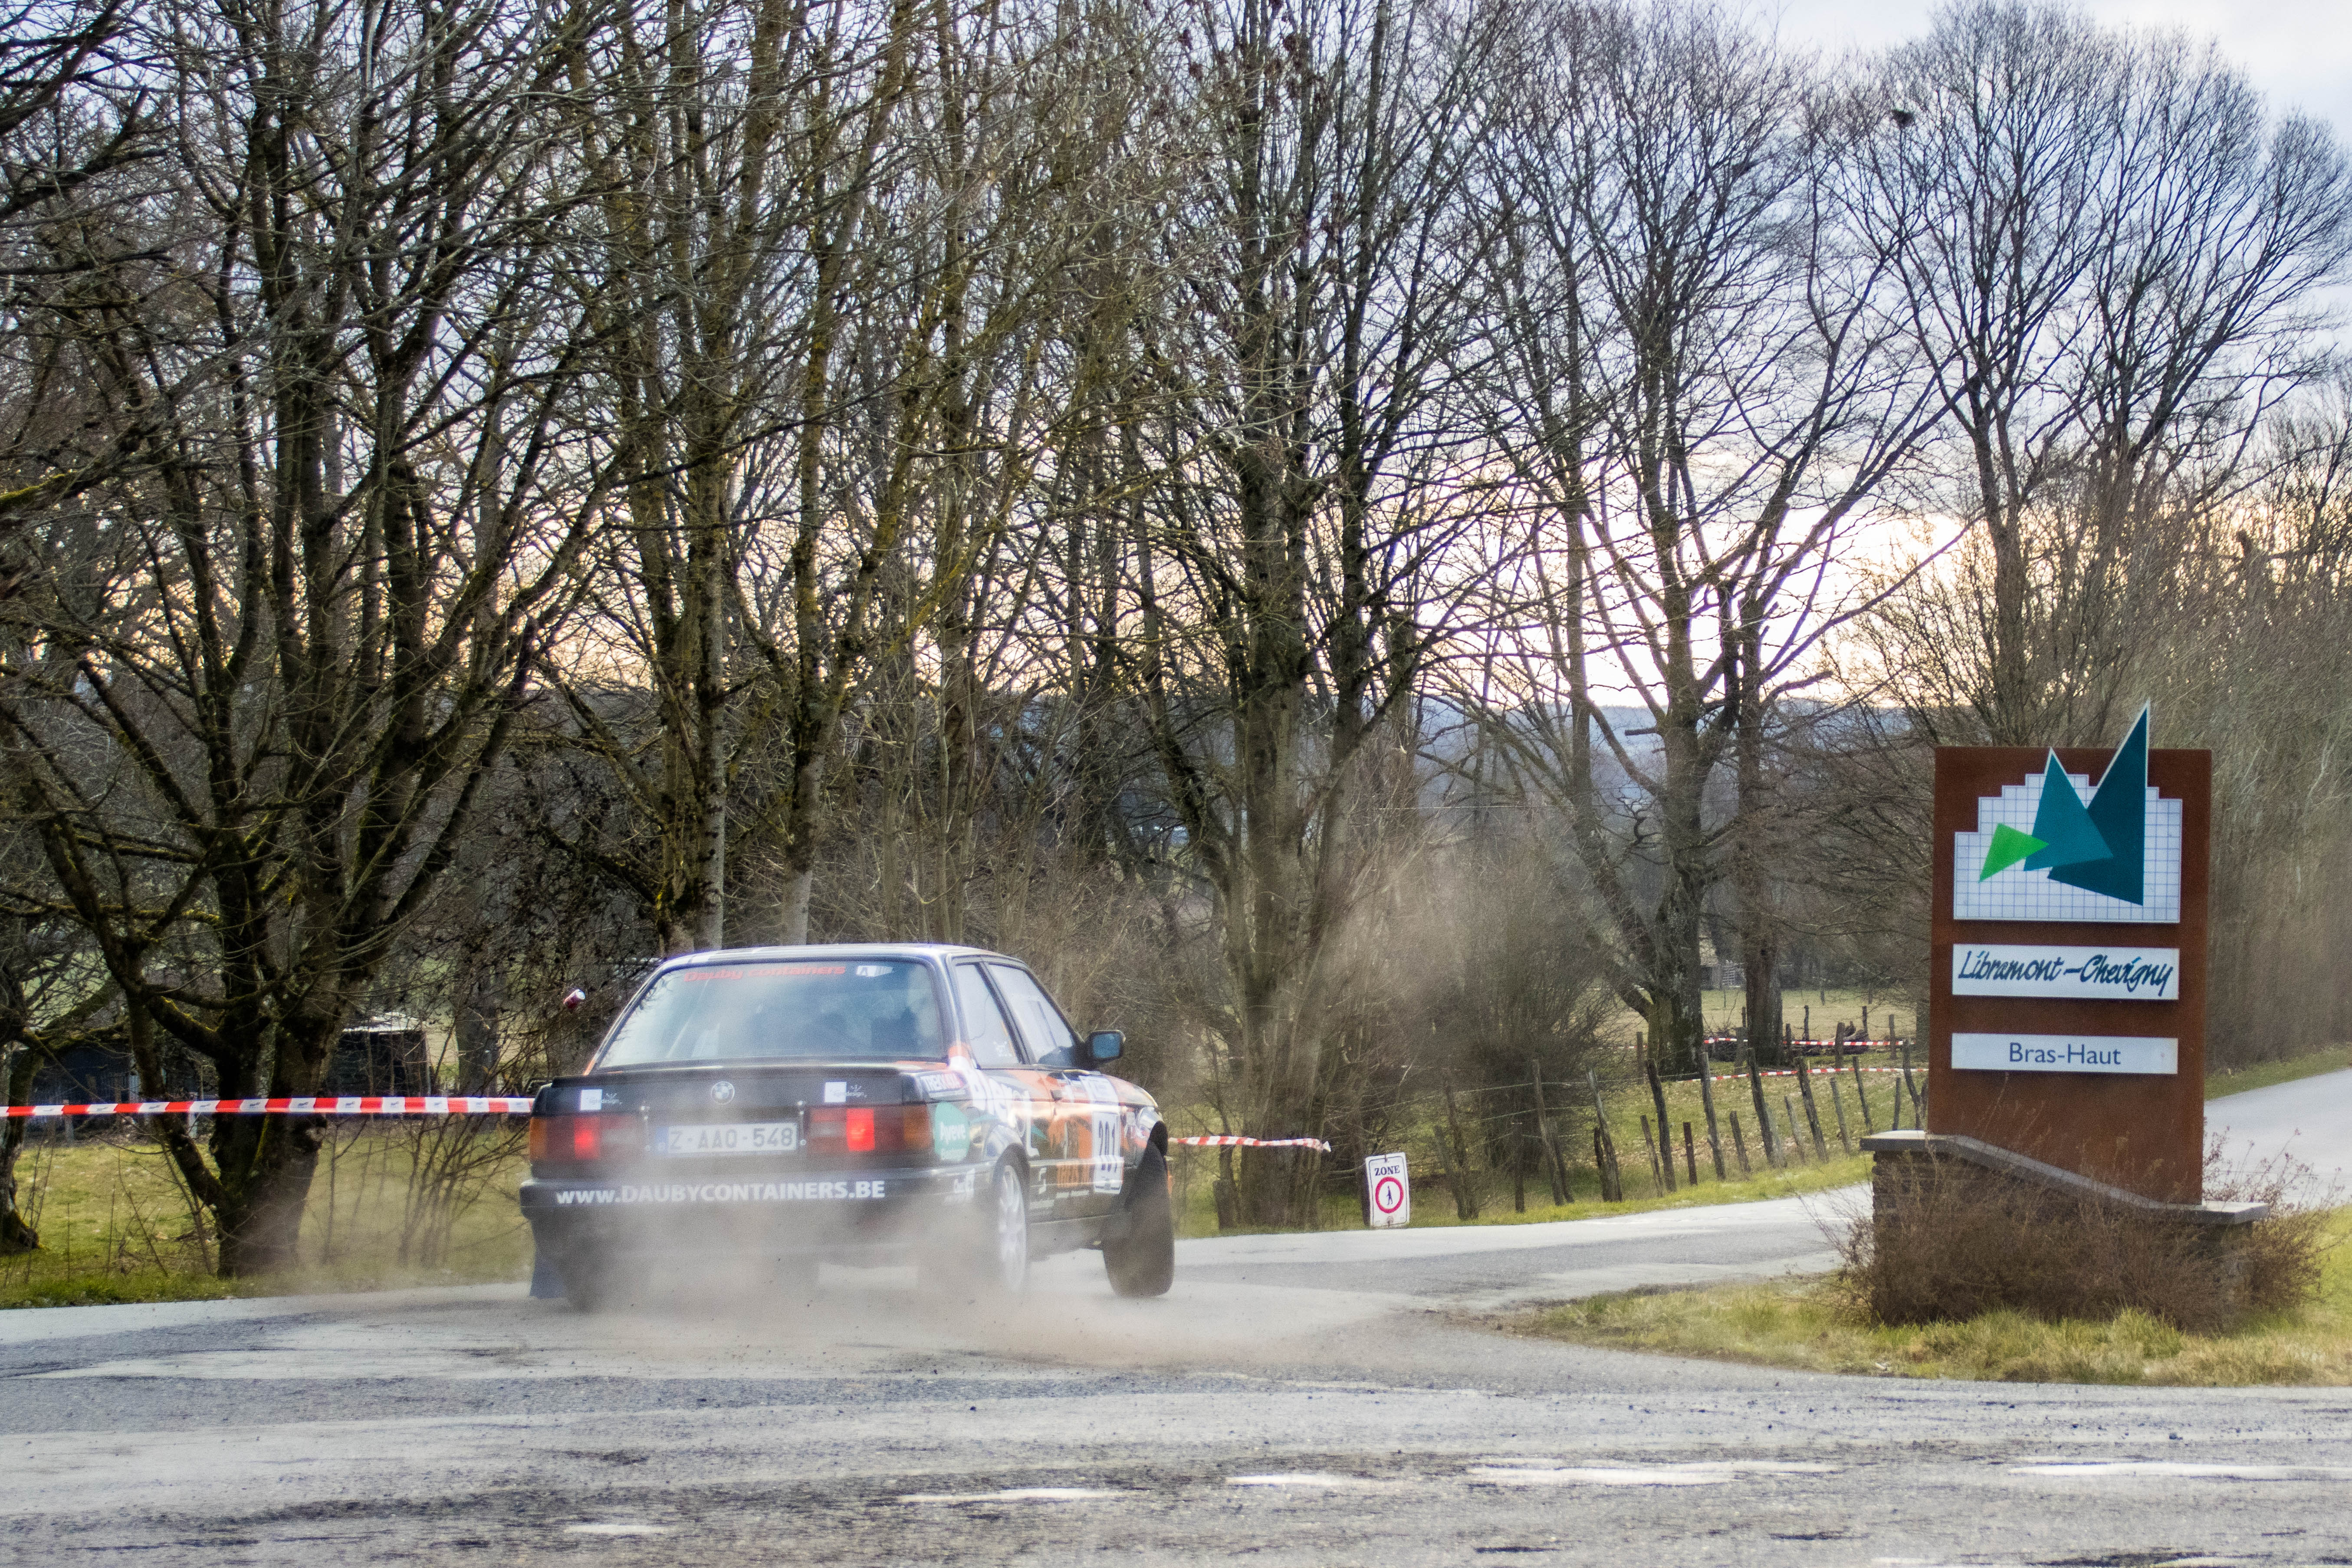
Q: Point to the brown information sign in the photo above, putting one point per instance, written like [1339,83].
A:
[2067,988]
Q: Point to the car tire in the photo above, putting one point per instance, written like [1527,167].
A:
[1141,1259]
[1003,1266]
[587,1283]
[991,1257]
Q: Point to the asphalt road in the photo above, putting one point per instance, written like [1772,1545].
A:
[1311,1400]
[2308,1121]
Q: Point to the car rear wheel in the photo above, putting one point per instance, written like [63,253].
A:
[587,1281]
[993,1254]
[1005,1269]
[1141,1259]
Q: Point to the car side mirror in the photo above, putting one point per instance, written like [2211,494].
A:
[1105,1044]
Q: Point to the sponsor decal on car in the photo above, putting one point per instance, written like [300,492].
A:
[951,1131]
[724,1193]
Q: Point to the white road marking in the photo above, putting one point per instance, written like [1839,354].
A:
[1705,1474]
[2094,1467]
[617,1530]
[1014,1494]
[1309,1479]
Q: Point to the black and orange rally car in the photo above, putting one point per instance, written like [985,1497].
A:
[865,1104]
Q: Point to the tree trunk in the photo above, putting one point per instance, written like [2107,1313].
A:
[15,1235]
[477,1030]
[267,1164]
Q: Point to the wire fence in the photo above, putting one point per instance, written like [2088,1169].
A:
[1608,1139]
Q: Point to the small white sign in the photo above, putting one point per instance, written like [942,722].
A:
[836,1094]
[2065,1053]
[1389,1187]
[2094,974]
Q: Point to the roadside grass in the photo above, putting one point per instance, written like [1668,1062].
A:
[2263,1075]
[115,1226]
[1811,1325]
[1821,1010]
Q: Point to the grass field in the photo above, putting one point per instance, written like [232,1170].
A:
[1807,1324]
[115,1225]
[2263,1075]
[1821,1010]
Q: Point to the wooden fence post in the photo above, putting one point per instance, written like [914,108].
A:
[1555,1167]
[1612,1177]
[1813,1113]
[1706,1102]
[1658,1103]
[1763,1117]
[1862,1099]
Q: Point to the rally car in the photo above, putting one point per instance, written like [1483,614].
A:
[889,1104]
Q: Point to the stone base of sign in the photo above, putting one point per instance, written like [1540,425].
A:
[2028,1190]
[1893,1148]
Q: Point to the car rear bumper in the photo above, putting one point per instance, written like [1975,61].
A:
[767,1215]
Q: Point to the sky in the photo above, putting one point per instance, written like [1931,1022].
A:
[2299,52]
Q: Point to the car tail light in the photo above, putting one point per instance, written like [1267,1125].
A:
[871,1129]
[584,1139]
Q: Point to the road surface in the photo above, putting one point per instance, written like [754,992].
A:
[2310,1120]
[1311,1400]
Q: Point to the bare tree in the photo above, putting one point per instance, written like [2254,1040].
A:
[256,688]
[1304,496]
[1699,391]
[2110,256]
[73,120]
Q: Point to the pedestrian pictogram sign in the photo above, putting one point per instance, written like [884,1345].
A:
[1389,1188]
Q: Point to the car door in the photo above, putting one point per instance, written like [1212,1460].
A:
[1032,1098]
[1092,1166]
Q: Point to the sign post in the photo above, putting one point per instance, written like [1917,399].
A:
[2067,979]
[1388,1187]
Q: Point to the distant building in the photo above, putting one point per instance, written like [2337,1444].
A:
[380,1056]
[385,1054]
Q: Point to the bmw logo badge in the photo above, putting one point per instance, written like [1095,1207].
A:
[722,1092]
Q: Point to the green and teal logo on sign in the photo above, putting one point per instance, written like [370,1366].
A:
[2042,851]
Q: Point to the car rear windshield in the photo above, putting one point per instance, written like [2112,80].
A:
[848,1009]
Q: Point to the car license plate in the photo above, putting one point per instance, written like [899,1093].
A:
[731,1138]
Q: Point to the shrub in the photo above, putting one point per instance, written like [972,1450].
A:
[1948,1240]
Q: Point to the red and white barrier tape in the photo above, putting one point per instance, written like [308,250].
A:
[1229,1140]
[298,1105]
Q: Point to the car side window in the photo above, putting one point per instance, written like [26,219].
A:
[985,1030]
[1052,1042]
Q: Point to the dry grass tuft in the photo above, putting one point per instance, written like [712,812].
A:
[1951,1242]
[2290,1322]
[1810,1325]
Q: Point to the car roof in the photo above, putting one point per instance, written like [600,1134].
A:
[915,950]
